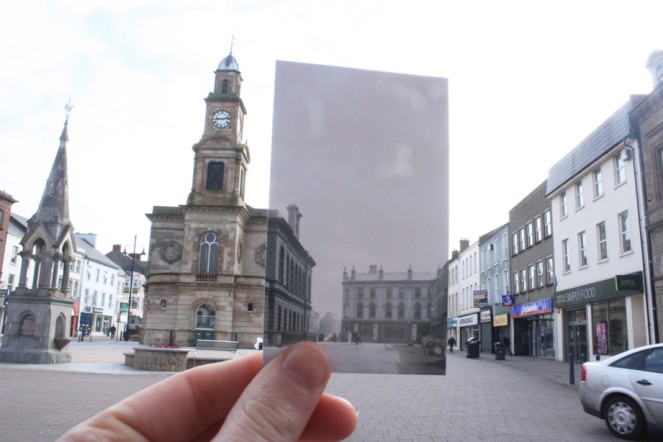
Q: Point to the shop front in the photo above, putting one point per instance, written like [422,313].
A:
[533,329]
[487,338]
[469,328]
[452,328]
[603,318]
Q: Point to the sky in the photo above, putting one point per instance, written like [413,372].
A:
[528,81]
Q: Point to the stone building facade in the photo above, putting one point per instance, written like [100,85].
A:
[288,281]
[206,270]
[386,307]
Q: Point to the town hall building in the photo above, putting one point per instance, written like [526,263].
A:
[206,276]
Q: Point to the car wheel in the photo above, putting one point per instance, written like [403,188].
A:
[624,418]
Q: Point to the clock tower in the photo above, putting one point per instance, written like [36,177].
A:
[206,276]
[221,155]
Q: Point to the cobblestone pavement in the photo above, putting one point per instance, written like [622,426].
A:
[518,399]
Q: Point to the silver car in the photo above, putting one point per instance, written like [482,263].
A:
[626,390]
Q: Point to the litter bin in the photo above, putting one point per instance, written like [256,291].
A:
[472,348]
[499,351]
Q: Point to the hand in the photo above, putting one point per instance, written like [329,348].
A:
[237,400]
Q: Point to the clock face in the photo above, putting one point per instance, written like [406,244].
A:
[221,119]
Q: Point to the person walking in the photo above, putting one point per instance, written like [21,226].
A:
[507,345]
[452,343]
[112,331]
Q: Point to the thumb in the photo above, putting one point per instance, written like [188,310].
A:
[278,403]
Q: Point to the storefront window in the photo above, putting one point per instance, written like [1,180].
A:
[609,322]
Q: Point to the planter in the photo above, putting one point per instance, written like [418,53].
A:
[61,343]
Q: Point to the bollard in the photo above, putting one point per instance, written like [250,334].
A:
[572,380]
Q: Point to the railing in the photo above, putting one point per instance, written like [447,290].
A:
[205,277]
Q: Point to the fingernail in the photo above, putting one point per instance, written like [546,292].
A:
[306,366]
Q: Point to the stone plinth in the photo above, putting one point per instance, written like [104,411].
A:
[159,359]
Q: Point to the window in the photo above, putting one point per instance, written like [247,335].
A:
[566,258]
[580,198]
[10,283]
[563,207]
[540,282]
[97,275]
[523,281]
[624,232]
[14,256]
[514,244]
[582,249]
[531,277]
[215,175]
[620,169]
[205,317]
[209,253]
[401,310]
[547,224]
[387,310]
[602,241]
[417,311]
[530,234]
[537,229]
[516,283]
[521,242]
[360,310]
[598,183]
[371,310]
[550,273]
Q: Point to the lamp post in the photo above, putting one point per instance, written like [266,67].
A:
[131,288]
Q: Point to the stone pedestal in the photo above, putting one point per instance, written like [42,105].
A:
[37,330]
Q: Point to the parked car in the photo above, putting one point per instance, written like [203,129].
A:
[626,390]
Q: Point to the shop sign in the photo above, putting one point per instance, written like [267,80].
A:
[628,282]
[124,307]
[97,310]
[500,320]
[532,308]
[468,320]
[598,291]
[485,316]
[480,298]
[452,322]
[507,300]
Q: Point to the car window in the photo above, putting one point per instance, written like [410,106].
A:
[630,361]
[654,361]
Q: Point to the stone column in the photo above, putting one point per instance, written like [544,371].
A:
[25,261]
[65,273]
[55,269]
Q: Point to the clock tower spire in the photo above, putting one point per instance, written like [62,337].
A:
[221,155]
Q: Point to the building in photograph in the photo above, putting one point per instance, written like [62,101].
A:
[647,117]
[135,277]
[494,276]
[600,303]
[453,294]
[532,275]
[206,274]
[288,281]
[386,307]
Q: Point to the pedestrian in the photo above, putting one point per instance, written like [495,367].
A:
[452,344]
[112,331]
[507,345]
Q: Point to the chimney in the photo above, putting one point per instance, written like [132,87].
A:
[117,248]
[293,219]
[409,272]
[372,269]
[464,243]
[455,254]
[353,273]
[655,66]
[381,275]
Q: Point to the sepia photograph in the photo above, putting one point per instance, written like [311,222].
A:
[358,221]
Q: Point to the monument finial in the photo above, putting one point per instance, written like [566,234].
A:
[232,43]
[68,107]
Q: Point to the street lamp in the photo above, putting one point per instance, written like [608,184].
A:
[131,288]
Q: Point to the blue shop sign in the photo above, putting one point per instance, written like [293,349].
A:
[539,307]
[452,322]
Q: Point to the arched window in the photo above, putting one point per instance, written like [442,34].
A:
[360,310]
[209,253]
[224,87]
[205,317]
[417,311]
[387,310]
[401,310]
[215,175]
[371,310]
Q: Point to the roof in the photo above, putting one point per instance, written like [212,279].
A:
[85,248]
[125,262]
[18,225]
[609,134]
[398,276]
[228,64]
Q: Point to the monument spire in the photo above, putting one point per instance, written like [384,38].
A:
[53,210]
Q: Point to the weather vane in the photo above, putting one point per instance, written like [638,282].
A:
[68,107]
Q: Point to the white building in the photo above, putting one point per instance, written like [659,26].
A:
[599,303]
[469,282]
[453,300]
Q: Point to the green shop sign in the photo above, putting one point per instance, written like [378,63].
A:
[618,287]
